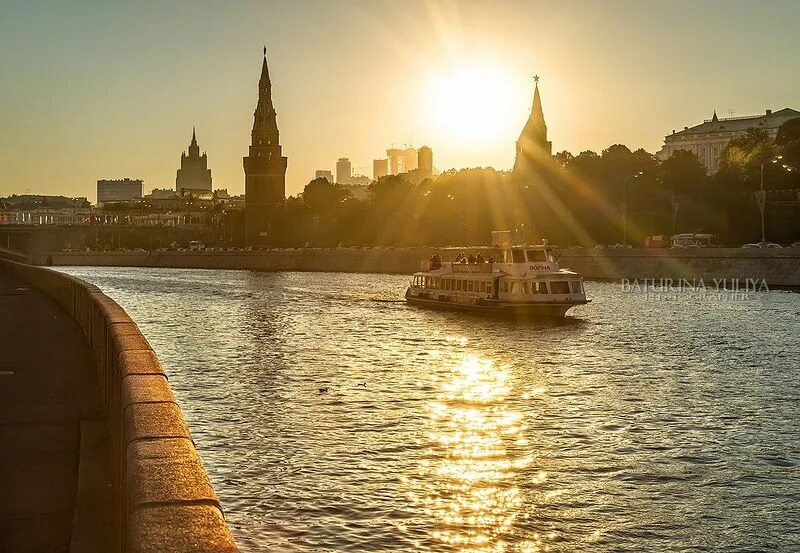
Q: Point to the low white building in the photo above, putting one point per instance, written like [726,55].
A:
[708,139]
[120,190]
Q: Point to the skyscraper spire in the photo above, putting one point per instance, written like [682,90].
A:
[194,149]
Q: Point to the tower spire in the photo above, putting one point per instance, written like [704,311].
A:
[264,81]
[715,118]
[537,113]
[265,126]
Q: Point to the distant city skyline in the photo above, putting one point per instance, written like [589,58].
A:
[80,104]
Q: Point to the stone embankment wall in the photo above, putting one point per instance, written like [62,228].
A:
[366,260]
[163,497]
[779,267]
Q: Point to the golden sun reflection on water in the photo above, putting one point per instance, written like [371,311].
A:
[478,456]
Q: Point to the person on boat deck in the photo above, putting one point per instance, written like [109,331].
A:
[462,257]
[436,261]
[479,258]
[471,259]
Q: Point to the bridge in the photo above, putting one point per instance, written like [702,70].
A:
[96,454]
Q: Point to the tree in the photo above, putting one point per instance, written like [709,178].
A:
[563,158]
[321,197]
[788,139]
[683,173]
[740,161]
[788,132]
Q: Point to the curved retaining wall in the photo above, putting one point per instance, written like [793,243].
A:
[164,499]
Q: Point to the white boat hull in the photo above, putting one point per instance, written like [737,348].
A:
[479,305]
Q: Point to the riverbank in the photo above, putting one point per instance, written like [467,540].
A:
[776,267]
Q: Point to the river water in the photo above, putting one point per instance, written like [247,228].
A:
[329,421]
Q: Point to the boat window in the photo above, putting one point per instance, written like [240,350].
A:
[524,286]
[470,286]
[541,288]
[559,287]
[483,286]
[536,256]
[576,287]
[518,255]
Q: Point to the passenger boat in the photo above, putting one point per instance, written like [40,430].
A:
[503,278]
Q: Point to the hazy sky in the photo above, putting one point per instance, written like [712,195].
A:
[111,89]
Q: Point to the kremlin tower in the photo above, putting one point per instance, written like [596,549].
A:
[264,170]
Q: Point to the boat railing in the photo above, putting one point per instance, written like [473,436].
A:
[428,265]
[472,267]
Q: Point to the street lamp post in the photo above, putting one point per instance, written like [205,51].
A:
[625,207]
[762,199]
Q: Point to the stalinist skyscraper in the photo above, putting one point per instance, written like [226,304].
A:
[264,170]
[194,176]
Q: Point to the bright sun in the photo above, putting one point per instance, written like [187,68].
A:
[474,105]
